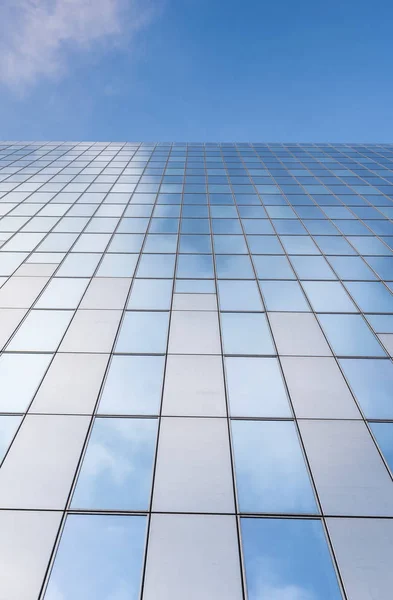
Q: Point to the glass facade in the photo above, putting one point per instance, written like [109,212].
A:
[196,378]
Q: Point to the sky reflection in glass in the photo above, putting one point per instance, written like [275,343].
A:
[117,469]
[270,470]
[287,559]
[99,557]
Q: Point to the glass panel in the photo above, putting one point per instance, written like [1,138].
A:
[99,557]
[151,294]
[372,383]
[328,296]
[317,388]
[270,471]
[234,267]
[39,468]
[199,446]
[347,469]
[201,558]
[194,332]
[363,551]
[117,469]
[284,296]
[156,265]
[42,330]
[239,295]
[351,267]
[246,334]
[194,386]
[298,334]
[26,543]
[256,388]
[288,559]
[143,333]
[312,267]
[133,386]
[117,265]
[20,376]
[371,296]
[195,266]
[273,267]
[349,335]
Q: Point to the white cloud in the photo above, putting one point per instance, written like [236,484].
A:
[37,35]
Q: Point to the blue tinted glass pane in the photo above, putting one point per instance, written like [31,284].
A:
[312,267]
[164,226]
[239,295]
[273,267]
[270,470]
[195,226]
[328,296]
[371,296]
[351,268]
[199,266]
[117,469]
[195,211]
[299,244]
[195,244]
[383,265]
[320,227]
[229,244]
[166,243]
[133,386]
[384,435]
[99,557]
[256,388]
[156,265]
[143,333]
[246,334]
[292,226]
[151,294]
[126,242]
[369,245]
[349,335]
[264,244]
[334,245]
[381,323]
[372,383]
[257,226]
[117,265]
[234,267]
[226,226]
[228,212]
[283,295]
[287,559]
[166,211]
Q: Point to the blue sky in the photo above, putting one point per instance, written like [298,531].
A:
[196,70]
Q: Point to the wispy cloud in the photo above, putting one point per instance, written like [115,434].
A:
[37,36]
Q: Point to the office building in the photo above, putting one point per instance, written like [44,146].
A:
[196,378]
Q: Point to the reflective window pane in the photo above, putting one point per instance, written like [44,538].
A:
[117,469]
[270,470]
[246,334]
[372,382]
[143,333]
[349,335]
[288,559]
[256,388]
[99,557]
[133,386]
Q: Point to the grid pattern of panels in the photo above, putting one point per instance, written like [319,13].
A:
[195,371]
